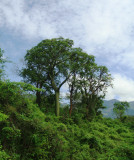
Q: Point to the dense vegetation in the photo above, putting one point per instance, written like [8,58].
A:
[30,127]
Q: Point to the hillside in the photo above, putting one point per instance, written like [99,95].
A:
[30,133]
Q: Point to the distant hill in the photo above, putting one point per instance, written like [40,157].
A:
[108,111]
[131,110]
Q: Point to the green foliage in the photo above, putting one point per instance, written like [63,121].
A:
[3,154]
[29,134]
[26,86]
[9,93]
[120,108]
[3,117]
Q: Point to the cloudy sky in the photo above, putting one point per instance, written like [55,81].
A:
[103,28]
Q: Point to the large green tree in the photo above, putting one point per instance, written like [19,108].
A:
[49,63]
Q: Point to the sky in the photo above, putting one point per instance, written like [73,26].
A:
[103,28]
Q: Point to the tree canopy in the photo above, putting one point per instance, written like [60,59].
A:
[53,62]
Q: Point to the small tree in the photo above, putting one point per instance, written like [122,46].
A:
[120,108]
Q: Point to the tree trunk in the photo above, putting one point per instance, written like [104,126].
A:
[71,89]
[92,106]
[92,110]
[87,111]
[71,100]
[57,103]
[71,105]
[38,97]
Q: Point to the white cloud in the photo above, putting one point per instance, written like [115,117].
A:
[90,22]
[32,23]
[128,59]
[123,88]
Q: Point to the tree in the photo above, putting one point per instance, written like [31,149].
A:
[93,83]
[48,63]
[89,80]
[120,108]
[79,59]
